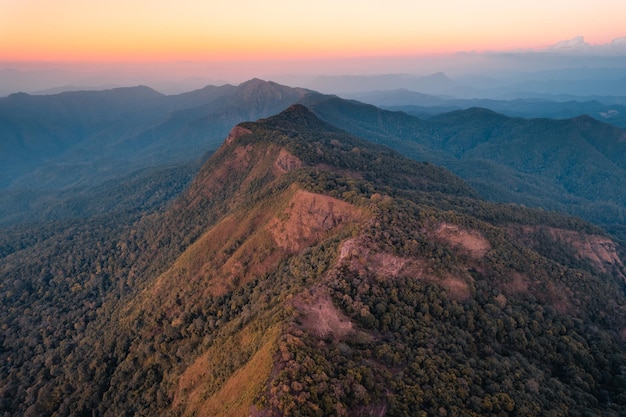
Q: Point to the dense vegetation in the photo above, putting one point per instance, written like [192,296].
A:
[202,308]
[420,351]
[75,140]
[575,166]
[606,109]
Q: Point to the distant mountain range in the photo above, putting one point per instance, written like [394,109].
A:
[437,83]
[581,84]
[76,140]
[80,138]
[607,109]
[305,271]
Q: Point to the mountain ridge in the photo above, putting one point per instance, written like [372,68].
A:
[306,271]
[530,162]
[87,148]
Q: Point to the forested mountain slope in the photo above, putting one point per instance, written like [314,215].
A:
[61,154]
[576,166]
[308,272]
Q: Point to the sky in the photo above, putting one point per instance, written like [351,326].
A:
[138,30]
[308,35]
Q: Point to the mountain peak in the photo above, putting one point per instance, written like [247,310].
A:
[257,84]
[297,116]
[297,111]
[301,250]
[254,82]
[438,76]
[259,91]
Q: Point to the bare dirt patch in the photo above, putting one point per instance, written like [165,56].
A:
[601,251]
[322,318]
[386,266]
[470,241]
[458,289]
[308,218]
[349,248]
[382,265]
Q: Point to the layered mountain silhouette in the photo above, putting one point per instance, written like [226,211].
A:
[305,272]
[607,109]
[85,137]
[77,140]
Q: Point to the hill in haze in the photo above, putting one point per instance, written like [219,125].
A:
[308,272]
[56,148]
[606,109]
[82,138]
[60,152]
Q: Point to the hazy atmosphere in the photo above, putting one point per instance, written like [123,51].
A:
[243,208]
[175,47]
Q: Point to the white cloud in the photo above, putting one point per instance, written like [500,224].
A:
[619,45]
[577,45]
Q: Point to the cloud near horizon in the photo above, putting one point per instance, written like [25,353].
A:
[247,30]
[578,45]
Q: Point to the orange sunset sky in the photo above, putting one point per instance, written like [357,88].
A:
[179,45]
[162,30]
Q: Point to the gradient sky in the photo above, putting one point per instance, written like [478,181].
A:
[142,30]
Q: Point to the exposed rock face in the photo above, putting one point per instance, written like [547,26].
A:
[359,258]
[285,301]
[600,251]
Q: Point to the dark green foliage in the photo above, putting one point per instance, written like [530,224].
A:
[85,331]
[323,145]
[606,109]
[419,351]
[574,166]
[142,191]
